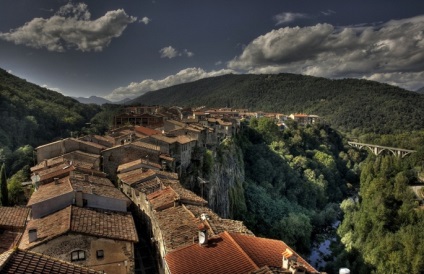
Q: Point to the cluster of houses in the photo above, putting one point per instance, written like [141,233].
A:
[78,220]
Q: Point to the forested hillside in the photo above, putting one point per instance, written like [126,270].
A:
[347,104]
[34,115]
[31,115]
[382,231]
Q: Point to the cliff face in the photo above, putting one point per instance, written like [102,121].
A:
[225,187]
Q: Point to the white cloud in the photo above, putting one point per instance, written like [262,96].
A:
[145,20]
[170,52]
[287,17]
[71,27]
[10,71]
[184,76]
[394,48]
[328,12]
[408,80]
[188,53]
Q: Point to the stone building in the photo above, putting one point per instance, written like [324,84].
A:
[99,239]
[77,189]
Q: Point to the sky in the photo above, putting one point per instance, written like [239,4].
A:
[121,49]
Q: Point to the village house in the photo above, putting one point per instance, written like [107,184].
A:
[121,154]
[60,167]
[21,261]
[145,119]
[235,253]
[179,147]
[81,190]
[65,146]
[12,225]
[304,119]
[95,238]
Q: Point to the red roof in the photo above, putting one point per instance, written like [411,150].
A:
[268,252]
[146,131]
[221,255]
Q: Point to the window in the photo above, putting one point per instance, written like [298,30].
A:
[78,255]
[100,254]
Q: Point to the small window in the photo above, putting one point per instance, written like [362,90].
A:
[100,254]
[78,255]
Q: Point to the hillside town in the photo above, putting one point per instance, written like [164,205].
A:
[116,204]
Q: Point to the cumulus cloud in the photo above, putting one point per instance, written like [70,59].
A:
[287,17]
[184,76]
[170,52]
[52,88]
[71,27]
[145,20]
[394,48]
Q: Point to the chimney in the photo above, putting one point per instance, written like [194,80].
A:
[78,198]
[56,181]
[32,235]
[288,257]
[45,163]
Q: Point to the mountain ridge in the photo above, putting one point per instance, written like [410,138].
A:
[347,104]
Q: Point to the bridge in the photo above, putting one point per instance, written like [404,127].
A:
[377,150]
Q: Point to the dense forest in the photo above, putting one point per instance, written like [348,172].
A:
[296,181]
[31,116]
[347,104]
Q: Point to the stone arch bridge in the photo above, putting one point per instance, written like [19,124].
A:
[377,150]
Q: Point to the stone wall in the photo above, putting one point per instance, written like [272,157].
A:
[118,255]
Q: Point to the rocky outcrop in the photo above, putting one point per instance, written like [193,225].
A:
[225,182]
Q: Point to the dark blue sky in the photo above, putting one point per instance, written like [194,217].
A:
[119,49]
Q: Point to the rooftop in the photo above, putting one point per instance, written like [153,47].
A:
[136,176]
[146,131]
[264,251]
[137,164]
[94,222]
[13,217]
[94,185]
[163,199]
[220,255]
[17,261]
[177,225]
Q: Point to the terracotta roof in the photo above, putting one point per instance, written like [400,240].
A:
[177,225]
[104,223]
[216,223]
[166,174]
[51,190]
[136,176]
[265,251]
[95,185]
[145,145]
[149,186]
[163,199]
[137,164]
[220,255]
[94,222]
[8,240]
[13,217]
[49,227]
[185,195]
[26,262]
[165,139]
[146,131]
[57,171]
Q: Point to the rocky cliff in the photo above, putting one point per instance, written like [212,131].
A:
[225,191]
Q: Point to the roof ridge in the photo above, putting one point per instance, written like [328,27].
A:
[227,234]
[8,254]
